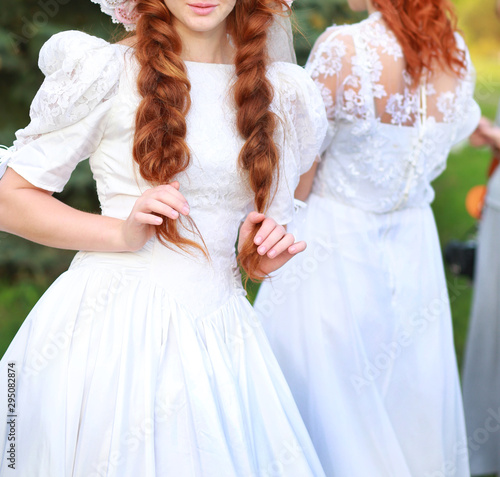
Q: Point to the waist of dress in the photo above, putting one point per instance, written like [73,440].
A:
[370,205]
[192,280]
[383,203]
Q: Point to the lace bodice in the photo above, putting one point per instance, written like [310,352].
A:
[87,106]
[378,155]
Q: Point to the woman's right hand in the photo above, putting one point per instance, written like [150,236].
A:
[140,226]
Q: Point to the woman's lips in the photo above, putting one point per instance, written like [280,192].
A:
[202,8]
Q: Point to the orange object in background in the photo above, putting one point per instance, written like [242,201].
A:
[474,201]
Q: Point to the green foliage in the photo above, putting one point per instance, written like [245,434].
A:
[312,17]
[24,27]
[16,301]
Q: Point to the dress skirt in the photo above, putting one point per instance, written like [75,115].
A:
[361,326]
[113,377]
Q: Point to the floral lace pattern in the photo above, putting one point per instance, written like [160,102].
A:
[80,72]
[373,112]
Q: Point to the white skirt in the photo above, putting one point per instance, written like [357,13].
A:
[361,326]
[481,383]
[113,378]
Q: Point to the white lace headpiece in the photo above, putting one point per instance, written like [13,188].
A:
[280,39]
[121,11]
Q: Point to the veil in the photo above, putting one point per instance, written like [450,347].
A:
[280,40]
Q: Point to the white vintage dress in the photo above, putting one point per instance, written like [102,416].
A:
[361,322]
[153,363]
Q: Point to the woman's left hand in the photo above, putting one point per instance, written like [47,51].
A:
[491,133]
[274,244]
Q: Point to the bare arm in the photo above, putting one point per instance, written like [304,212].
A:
[305,184]
[34,214]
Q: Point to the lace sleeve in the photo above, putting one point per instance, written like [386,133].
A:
[467,111]
[67,114]
[329,67]
[301,131]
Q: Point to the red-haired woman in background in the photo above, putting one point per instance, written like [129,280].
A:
[361,323]
[145,358]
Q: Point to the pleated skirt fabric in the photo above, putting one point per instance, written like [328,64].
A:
[115,378]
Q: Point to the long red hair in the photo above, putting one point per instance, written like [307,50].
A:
[160,147]
[425,30]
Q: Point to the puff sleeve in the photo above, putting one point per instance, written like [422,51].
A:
[301,131]
[68,114]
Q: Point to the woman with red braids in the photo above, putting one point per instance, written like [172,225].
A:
[360,323]
[145,358]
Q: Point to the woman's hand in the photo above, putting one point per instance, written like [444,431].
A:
[491,133]
[486,134]
[140,226]
[477,139]
[275,245]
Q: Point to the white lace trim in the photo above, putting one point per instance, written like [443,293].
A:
[120,11]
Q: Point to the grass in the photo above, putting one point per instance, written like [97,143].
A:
[466,168]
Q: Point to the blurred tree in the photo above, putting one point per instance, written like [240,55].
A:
[313,17]
[24,27]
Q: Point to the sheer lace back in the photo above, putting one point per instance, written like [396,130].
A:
[360,70]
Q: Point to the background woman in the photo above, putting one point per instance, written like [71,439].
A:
[481,378]
[145,358]
[361,324]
